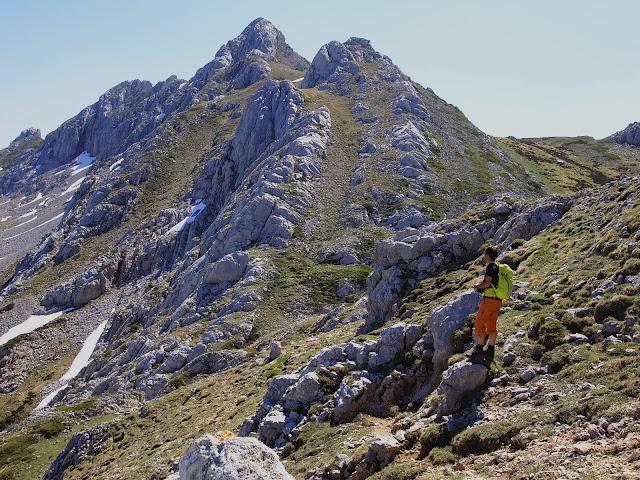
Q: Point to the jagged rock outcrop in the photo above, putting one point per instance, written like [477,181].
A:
[245,59]
[400,264]
[81,290]
[122,116]
[80,446]
[333,64]
[236,458]
[359,373]
[29,133]
[629,135]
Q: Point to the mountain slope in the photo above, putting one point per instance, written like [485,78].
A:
[264,200]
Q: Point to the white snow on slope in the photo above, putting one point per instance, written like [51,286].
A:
[33,228]
[82,162]
[38,197]
[81,361]
[115,165]
[30,324]
[74,186]
[21,224]
[195,210]
[33,211]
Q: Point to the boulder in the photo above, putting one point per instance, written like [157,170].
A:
[212,362]
[229,269]
[77,292]
[275,349]
[271,426]
[303,393]
[236,458]
[458,380]
[445,320]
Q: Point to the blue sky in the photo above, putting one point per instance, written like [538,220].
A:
[515,68]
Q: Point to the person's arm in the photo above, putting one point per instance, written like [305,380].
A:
[486,283]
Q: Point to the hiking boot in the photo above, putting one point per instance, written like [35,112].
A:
[476,354]
[489,354]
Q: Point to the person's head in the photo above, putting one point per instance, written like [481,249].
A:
[490,254]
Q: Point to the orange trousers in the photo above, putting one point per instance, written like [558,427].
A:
[487,317]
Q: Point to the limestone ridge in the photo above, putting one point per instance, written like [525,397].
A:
[278,258]
[104,199]
[629,135]
[270,190]
[132,110]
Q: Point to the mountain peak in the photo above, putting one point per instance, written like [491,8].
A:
[261,37]
[30,132]
[629,135]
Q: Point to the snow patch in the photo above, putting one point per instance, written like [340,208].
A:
[30,324]
[33,228]
[74,186]
[116,165]
[82,162]
[81,361]
[33,211]
[21,224]
[195,211]
[161,116]
[38,197]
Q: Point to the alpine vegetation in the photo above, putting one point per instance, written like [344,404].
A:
[280,269]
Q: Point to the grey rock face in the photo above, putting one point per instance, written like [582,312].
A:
[333,64]
[629,136]
[443,323]
[458,380]
[122,116]
[229,269]
[80,291]
[245,58]
[80,445]
[400,264]
[237,458]
[212,362]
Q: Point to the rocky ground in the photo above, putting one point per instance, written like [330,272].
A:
[284,250]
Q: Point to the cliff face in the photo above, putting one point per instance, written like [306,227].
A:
[275,247]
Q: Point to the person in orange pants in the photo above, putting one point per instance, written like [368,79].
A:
[486,319]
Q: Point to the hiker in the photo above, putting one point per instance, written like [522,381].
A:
[495,287]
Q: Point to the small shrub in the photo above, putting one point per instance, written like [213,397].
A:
[615,306]
[559,358]
[434,435]
[278,366]
[551,334]
[49,428]
[16,449]
[442,456]
[8,307]
[487,437]
[630,267]
[575,324]
[180,380]
[328,382]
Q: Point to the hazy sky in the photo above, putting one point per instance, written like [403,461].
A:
[515,68]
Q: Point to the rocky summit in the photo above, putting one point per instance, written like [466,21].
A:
[266,271]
